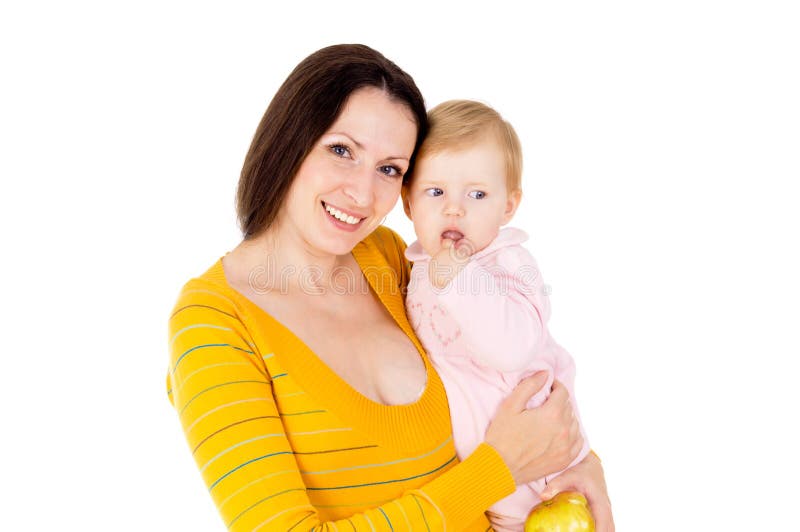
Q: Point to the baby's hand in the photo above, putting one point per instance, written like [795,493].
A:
[448,262]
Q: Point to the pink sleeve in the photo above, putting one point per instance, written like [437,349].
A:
[500,308]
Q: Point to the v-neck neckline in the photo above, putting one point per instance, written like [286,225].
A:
[311,373]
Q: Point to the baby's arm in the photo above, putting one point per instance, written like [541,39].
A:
[500,307]
[502,310]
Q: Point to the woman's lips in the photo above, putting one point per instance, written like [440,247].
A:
[334,215]
[342,215]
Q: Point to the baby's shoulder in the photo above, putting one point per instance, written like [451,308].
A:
[511,257]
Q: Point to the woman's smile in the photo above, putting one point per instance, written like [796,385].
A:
[342,219]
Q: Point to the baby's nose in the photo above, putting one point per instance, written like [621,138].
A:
[454,208]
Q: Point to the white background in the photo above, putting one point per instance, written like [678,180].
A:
[662,157]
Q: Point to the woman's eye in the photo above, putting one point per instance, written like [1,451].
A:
[340,149]
[434,191]
[390,171]
[477,194]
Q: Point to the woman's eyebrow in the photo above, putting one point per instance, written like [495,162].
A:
[361,147]
[354,141]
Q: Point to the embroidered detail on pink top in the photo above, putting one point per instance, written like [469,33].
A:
[444,336]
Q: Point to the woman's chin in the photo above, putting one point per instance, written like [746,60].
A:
[343,243]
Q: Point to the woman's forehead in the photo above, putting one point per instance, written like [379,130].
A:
[375,121]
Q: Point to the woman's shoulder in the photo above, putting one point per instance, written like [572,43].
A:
[385,239]
[386,246]
[208,290]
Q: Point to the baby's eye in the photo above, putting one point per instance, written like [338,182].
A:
[433,191]
[340,149]
[390,171]
[477,194]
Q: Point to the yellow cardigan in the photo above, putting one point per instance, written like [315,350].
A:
[283,443]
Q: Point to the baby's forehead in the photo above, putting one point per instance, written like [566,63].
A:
[483,163]
[488,141]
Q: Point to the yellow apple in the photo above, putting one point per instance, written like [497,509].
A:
[568,511]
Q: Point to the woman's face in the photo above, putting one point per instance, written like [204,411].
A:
[352,176]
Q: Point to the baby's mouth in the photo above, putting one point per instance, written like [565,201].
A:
[453,235]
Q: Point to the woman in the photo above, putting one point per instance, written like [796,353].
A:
[305,396]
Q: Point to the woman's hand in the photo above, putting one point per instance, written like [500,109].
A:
[539,441]
[586,477]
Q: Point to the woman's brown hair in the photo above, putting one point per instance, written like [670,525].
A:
[305,106]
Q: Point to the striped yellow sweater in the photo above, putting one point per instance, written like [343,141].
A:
[283,443]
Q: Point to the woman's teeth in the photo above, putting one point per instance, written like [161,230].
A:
[339,215]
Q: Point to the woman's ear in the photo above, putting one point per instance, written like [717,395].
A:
[514,198]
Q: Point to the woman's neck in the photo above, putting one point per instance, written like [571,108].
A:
[277,261]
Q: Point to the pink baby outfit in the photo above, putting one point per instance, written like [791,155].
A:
[485,331]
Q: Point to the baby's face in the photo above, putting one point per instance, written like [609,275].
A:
[460,195]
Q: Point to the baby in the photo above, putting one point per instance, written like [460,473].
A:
[476,299]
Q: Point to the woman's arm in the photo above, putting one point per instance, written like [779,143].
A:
[223,394]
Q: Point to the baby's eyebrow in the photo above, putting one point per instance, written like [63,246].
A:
[433,182]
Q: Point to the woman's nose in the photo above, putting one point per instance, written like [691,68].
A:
[359,187]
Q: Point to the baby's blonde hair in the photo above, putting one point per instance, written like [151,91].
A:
[458,124]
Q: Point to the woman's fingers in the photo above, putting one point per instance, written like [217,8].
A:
[556,486]
[538,441]
[586,477]
[557,409]
[571,443]
[577,444]
[565,441]
[522,393]
[522,437]
[603,519]
[559,395]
